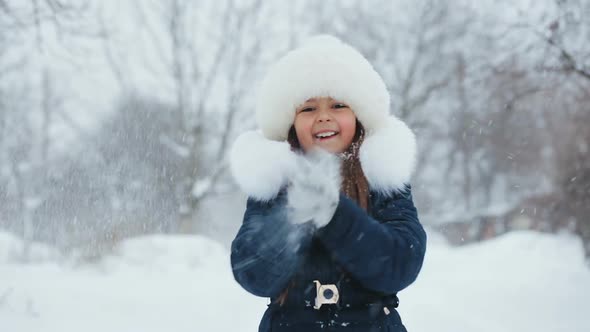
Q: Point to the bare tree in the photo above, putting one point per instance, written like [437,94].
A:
[30,156]
[193,71]
[563,35]
[463,142]
[533,121]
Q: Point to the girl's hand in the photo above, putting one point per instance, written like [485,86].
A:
[314,189]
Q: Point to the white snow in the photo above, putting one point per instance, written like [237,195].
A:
[11,251]
[522,281]
[315,188]
[201,187]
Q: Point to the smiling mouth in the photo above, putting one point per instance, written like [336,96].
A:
[325,135]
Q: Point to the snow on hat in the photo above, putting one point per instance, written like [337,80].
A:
[324,66]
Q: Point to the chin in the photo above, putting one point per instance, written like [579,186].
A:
[331,149]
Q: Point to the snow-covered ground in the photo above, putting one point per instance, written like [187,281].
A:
[519,282]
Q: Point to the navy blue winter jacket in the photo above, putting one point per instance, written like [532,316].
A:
[370,256]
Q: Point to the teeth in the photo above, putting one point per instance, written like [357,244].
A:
[326,134]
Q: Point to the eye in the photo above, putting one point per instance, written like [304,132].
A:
[306,109]
[340,105]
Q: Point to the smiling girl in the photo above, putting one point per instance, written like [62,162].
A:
[330,233]
[324,123]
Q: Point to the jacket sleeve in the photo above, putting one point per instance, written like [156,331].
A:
[384,253]
[268,249]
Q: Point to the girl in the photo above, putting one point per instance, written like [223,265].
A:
[330,233]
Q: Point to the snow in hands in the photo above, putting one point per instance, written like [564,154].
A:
[314,189]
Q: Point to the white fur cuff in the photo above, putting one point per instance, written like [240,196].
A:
[260,167]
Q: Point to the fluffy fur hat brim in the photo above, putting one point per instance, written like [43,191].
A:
[262,167]
[323,67]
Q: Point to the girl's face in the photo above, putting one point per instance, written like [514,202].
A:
[325,123]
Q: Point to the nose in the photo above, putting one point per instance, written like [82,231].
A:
[323,115]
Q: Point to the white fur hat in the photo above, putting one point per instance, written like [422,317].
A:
[324,66]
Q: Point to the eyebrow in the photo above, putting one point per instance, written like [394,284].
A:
[315,100]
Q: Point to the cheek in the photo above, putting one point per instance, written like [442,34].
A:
[347,129]
[303,130]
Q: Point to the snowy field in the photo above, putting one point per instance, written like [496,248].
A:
[519,282]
